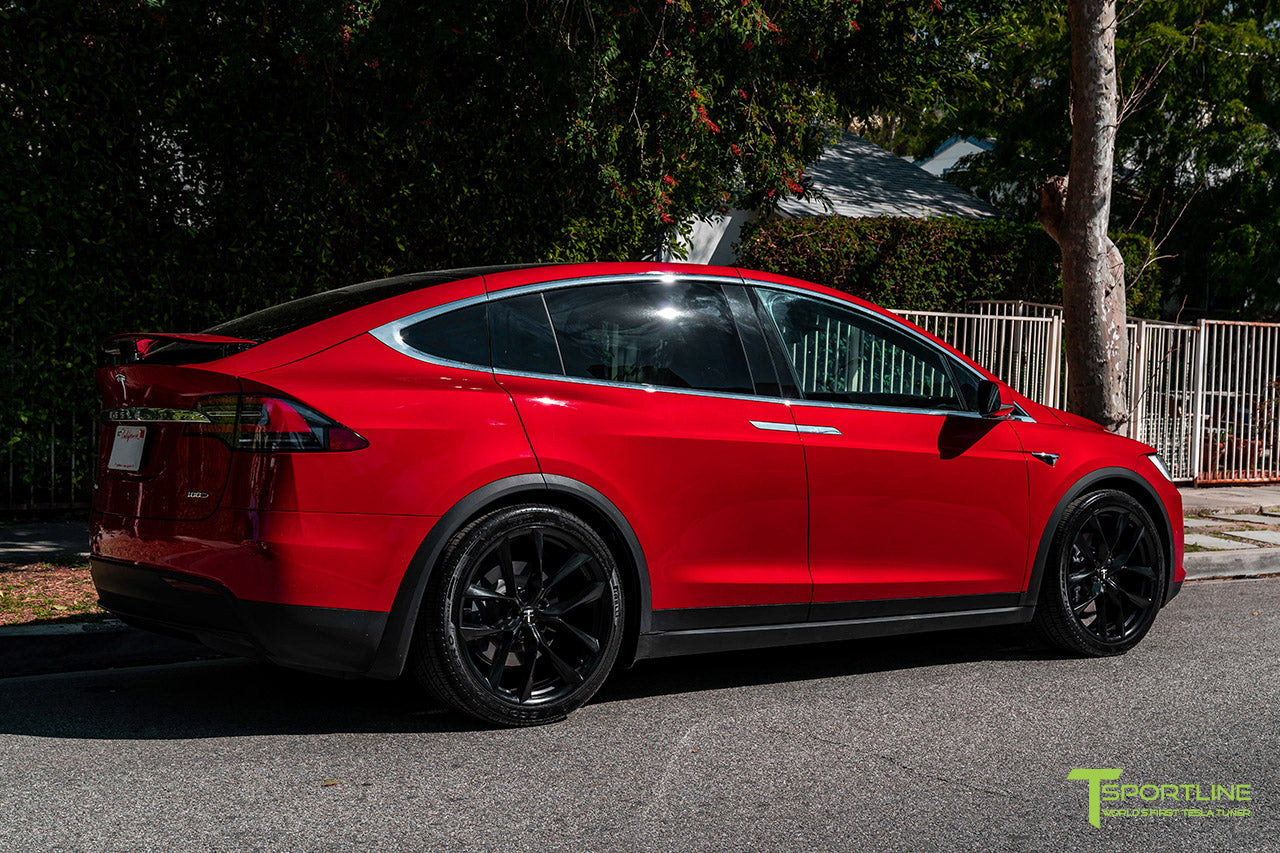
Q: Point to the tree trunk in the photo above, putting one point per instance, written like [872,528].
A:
[1075,211]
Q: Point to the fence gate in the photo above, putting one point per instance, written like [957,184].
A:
[1237,407]
[1163,390]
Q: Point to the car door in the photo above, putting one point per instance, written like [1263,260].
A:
[641,389]
[911,494]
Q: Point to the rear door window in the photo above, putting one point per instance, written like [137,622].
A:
[678,334]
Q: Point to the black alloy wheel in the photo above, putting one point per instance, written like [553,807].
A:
[524,618]
[1105,580]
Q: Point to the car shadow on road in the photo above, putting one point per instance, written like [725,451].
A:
[825,660]
[239,698]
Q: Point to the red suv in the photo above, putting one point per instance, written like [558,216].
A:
[509,480]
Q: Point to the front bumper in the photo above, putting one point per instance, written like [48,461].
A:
[330,640]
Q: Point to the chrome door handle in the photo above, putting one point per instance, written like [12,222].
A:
[774,426]
[818,429]
[777,426]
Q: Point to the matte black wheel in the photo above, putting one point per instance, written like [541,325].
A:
[1106,576]
[523,619]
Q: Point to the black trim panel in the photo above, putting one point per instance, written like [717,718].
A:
[331,640]
[846,610]
[672,643]
[699,618]
[693,618]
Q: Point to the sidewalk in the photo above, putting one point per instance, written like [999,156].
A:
[1231,531]
[31,543]
[1203,499]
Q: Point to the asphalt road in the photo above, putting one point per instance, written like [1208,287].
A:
[945,742]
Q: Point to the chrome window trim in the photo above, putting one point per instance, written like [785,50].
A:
[390,334]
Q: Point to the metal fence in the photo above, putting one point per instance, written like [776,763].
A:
[1026,352]
[1205,395]
[49,472]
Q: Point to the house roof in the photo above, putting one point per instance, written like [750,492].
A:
[951,152]
[861,179]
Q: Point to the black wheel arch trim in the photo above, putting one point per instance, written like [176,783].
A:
[393,650]
[1089,482]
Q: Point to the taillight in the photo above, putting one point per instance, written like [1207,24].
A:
[271,425]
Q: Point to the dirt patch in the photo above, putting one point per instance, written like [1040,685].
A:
[47,593]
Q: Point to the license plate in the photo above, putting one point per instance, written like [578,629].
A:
[126,450]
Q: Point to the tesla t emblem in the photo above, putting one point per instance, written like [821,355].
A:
[123,389]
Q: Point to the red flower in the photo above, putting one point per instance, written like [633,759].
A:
[706,119]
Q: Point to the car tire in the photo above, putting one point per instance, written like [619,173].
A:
[522,619]
[1105,577]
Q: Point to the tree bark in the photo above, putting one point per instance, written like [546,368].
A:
[1075,211]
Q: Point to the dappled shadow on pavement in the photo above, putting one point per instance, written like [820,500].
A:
[236,698]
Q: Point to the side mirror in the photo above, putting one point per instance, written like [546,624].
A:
[990,402]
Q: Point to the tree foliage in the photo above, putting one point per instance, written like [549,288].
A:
[169,165]
[1198,146]
[929,264]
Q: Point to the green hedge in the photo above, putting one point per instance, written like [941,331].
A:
[930,264]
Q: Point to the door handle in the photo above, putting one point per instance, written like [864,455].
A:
[817,429]
[777,426]
[774,426]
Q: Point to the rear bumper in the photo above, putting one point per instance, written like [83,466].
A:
[334,641]
[345,561]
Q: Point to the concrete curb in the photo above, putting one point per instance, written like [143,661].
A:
[1246,563]
[59,628]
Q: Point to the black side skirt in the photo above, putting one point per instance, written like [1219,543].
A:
[722,629]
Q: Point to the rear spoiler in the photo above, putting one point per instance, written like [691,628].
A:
[135,346]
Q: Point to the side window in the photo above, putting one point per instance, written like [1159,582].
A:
[679,334]
[843,356]
[461,335]
[521,337]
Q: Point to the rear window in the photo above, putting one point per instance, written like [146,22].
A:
[278,320]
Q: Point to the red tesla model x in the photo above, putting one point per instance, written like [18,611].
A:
[510,480]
